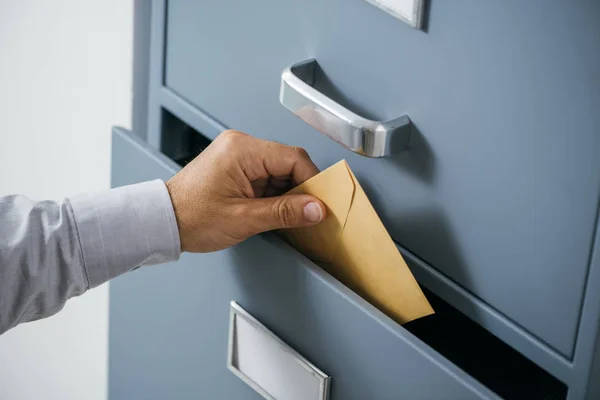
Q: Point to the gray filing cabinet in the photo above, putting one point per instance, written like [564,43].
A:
[494,205]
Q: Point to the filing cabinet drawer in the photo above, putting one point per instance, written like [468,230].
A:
[499,188]
[169,324]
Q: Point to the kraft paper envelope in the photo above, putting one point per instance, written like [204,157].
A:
[353,246]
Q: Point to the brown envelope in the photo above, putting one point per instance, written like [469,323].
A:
[353,246]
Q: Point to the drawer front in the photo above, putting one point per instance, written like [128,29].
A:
[500,187]
[169,324]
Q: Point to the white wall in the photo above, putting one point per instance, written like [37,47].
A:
[65,78]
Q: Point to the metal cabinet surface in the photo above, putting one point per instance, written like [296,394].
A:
[169,324]
[499,190]
[494,205]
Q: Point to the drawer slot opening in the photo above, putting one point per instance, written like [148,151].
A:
[179,141]
[483,356]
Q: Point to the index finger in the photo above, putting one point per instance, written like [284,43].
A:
[282,160]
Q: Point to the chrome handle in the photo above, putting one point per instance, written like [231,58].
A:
[363,136]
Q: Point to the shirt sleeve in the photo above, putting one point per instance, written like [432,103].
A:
[52,251]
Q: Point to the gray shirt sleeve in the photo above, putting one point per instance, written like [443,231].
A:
[52,251]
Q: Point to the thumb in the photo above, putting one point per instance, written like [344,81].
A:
[287,211]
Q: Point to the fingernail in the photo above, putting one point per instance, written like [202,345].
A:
[313,212]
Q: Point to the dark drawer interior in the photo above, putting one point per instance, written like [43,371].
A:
[484,356]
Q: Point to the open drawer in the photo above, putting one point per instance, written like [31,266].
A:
[169,324]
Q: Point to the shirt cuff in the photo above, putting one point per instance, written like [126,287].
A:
[123,228]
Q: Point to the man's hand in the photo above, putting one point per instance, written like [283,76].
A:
[234,189]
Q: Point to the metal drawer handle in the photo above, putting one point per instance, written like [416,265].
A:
[363,136]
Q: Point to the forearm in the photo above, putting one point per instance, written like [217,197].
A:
[50,252]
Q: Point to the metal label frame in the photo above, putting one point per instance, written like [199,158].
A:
[238,312]
[416,21]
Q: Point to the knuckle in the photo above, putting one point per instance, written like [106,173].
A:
[231,132]
[230,137]
[285,213]
[301,152]
[229,141]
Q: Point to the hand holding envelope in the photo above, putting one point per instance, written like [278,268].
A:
[353,246]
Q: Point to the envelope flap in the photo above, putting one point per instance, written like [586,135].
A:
[368,261]
[335,188]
